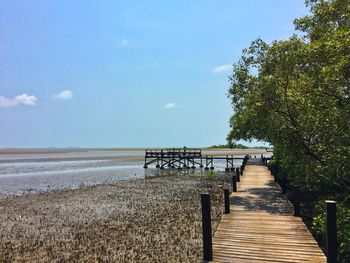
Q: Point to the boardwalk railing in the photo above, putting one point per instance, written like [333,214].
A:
[186,158]
[208,255]
[331,221]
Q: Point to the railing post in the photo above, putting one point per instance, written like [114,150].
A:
[227,201]
[234,183]
[296,200]
[331,238]
[284,183]
[238,175]
[206,227]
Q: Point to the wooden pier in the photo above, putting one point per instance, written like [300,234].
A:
[261,226]
[185,158]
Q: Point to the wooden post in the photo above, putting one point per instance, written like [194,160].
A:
[212,163]
[331,238]
[206,227]
[234,183]
[227,201]
[296,200]
[157,166]
[227,169]
[238,175]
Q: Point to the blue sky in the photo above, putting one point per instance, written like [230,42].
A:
[126,73]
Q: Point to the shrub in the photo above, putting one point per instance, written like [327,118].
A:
[343,227]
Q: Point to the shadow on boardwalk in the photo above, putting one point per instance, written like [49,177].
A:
[267,197]
[261,226]
[258,199]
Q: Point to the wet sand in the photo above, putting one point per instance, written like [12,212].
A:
[156,219]
[39,170]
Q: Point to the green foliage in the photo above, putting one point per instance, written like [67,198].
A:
[295,94]
[211,175]
[235,146]
[240,146]
[221,146]
[343,224]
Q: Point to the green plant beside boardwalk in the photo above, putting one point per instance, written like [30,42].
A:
[210,175]
[343,222]
[295,94]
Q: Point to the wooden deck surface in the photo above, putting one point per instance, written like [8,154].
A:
[261,226]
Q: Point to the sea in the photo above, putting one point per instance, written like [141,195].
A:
[24,171]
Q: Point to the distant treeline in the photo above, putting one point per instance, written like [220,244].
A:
[236,146]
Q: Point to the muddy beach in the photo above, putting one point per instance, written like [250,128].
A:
[156,219]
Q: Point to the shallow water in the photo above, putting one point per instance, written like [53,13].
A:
[34,171]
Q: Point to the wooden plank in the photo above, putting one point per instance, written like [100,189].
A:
[291,242]
[261,226]
[253,248]
[275,246]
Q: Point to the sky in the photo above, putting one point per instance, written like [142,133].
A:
[88,73]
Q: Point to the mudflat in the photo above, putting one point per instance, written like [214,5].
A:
[156,219]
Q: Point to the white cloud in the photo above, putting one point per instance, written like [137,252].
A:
[63,95]
[222,68]
[124,43]
[23,99]
[170,105]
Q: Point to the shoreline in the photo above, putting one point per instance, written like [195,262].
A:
[46,172]
[40,155]
[62,159]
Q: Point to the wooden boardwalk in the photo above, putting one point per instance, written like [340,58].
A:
[261,226]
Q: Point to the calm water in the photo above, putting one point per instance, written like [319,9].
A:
[36,171]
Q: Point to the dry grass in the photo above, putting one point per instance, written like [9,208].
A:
[153,220]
